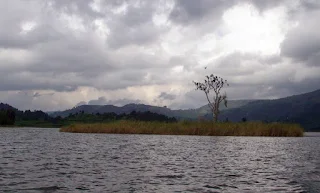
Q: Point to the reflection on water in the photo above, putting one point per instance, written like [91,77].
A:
[44,160]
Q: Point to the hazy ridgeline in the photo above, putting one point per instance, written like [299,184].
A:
[205,128]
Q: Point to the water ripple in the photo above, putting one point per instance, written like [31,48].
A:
[44,160]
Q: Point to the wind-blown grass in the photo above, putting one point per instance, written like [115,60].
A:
[189,128]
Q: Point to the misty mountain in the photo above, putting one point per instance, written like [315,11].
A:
[93,109]
[179,114]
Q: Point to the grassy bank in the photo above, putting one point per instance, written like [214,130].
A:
[189,128]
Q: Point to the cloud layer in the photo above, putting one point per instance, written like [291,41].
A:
[56,54]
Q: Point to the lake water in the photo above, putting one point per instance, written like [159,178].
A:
[45,160]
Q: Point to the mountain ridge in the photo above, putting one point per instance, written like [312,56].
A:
[302,108]
[128,108]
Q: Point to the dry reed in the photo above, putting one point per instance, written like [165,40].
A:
[190,128]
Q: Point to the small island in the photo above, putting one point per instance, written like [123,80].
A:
[203,128]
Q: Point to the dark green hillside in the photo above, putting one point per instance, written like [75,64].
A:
[231,105]
[7,115]
[87,109]
[303,109]
[11,116]
[6,107]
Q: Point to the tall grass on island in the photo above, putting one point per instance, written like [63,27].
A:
[204,128]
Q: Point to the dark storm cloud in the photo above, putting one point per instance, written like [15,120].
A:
[234,64]
[310,5]
[135,26]
[13,15]
[38,81]
[79,7]
[15,39]
[287,88]
[63,60]
[123,35]
[273,59]
[37,94]
[71,55]
[263,4]
[167,96]
[236,59]
[303,42]
[118,102]
[189,11]
[301,46]
[192,11]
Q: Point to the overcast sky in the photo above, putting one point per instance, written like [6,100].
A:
[55,54]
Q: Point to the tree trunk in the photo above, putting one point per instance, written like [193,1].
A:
[216,117]
[213,116]
[216,107]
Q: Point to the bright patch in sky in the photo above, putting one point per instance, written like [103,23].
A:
[102,30]
[95,5]
[121,9]
[177,69]
[254,32]
[28,26]
[73,22]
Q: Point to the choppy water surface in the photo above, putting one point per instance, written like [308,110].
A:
[44,160]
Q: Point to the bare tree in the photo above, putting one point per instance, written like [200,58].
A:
[214,83]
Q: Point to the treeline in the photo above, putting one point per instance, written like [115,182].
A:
[105,117]
[12,116]
[32,116]
[7,117]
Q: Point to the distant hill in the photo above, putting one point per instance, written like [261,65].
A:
[6,107]
[7,115]
[231,105]
[93,109]
[179,114]
[303,109]
[20,118]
